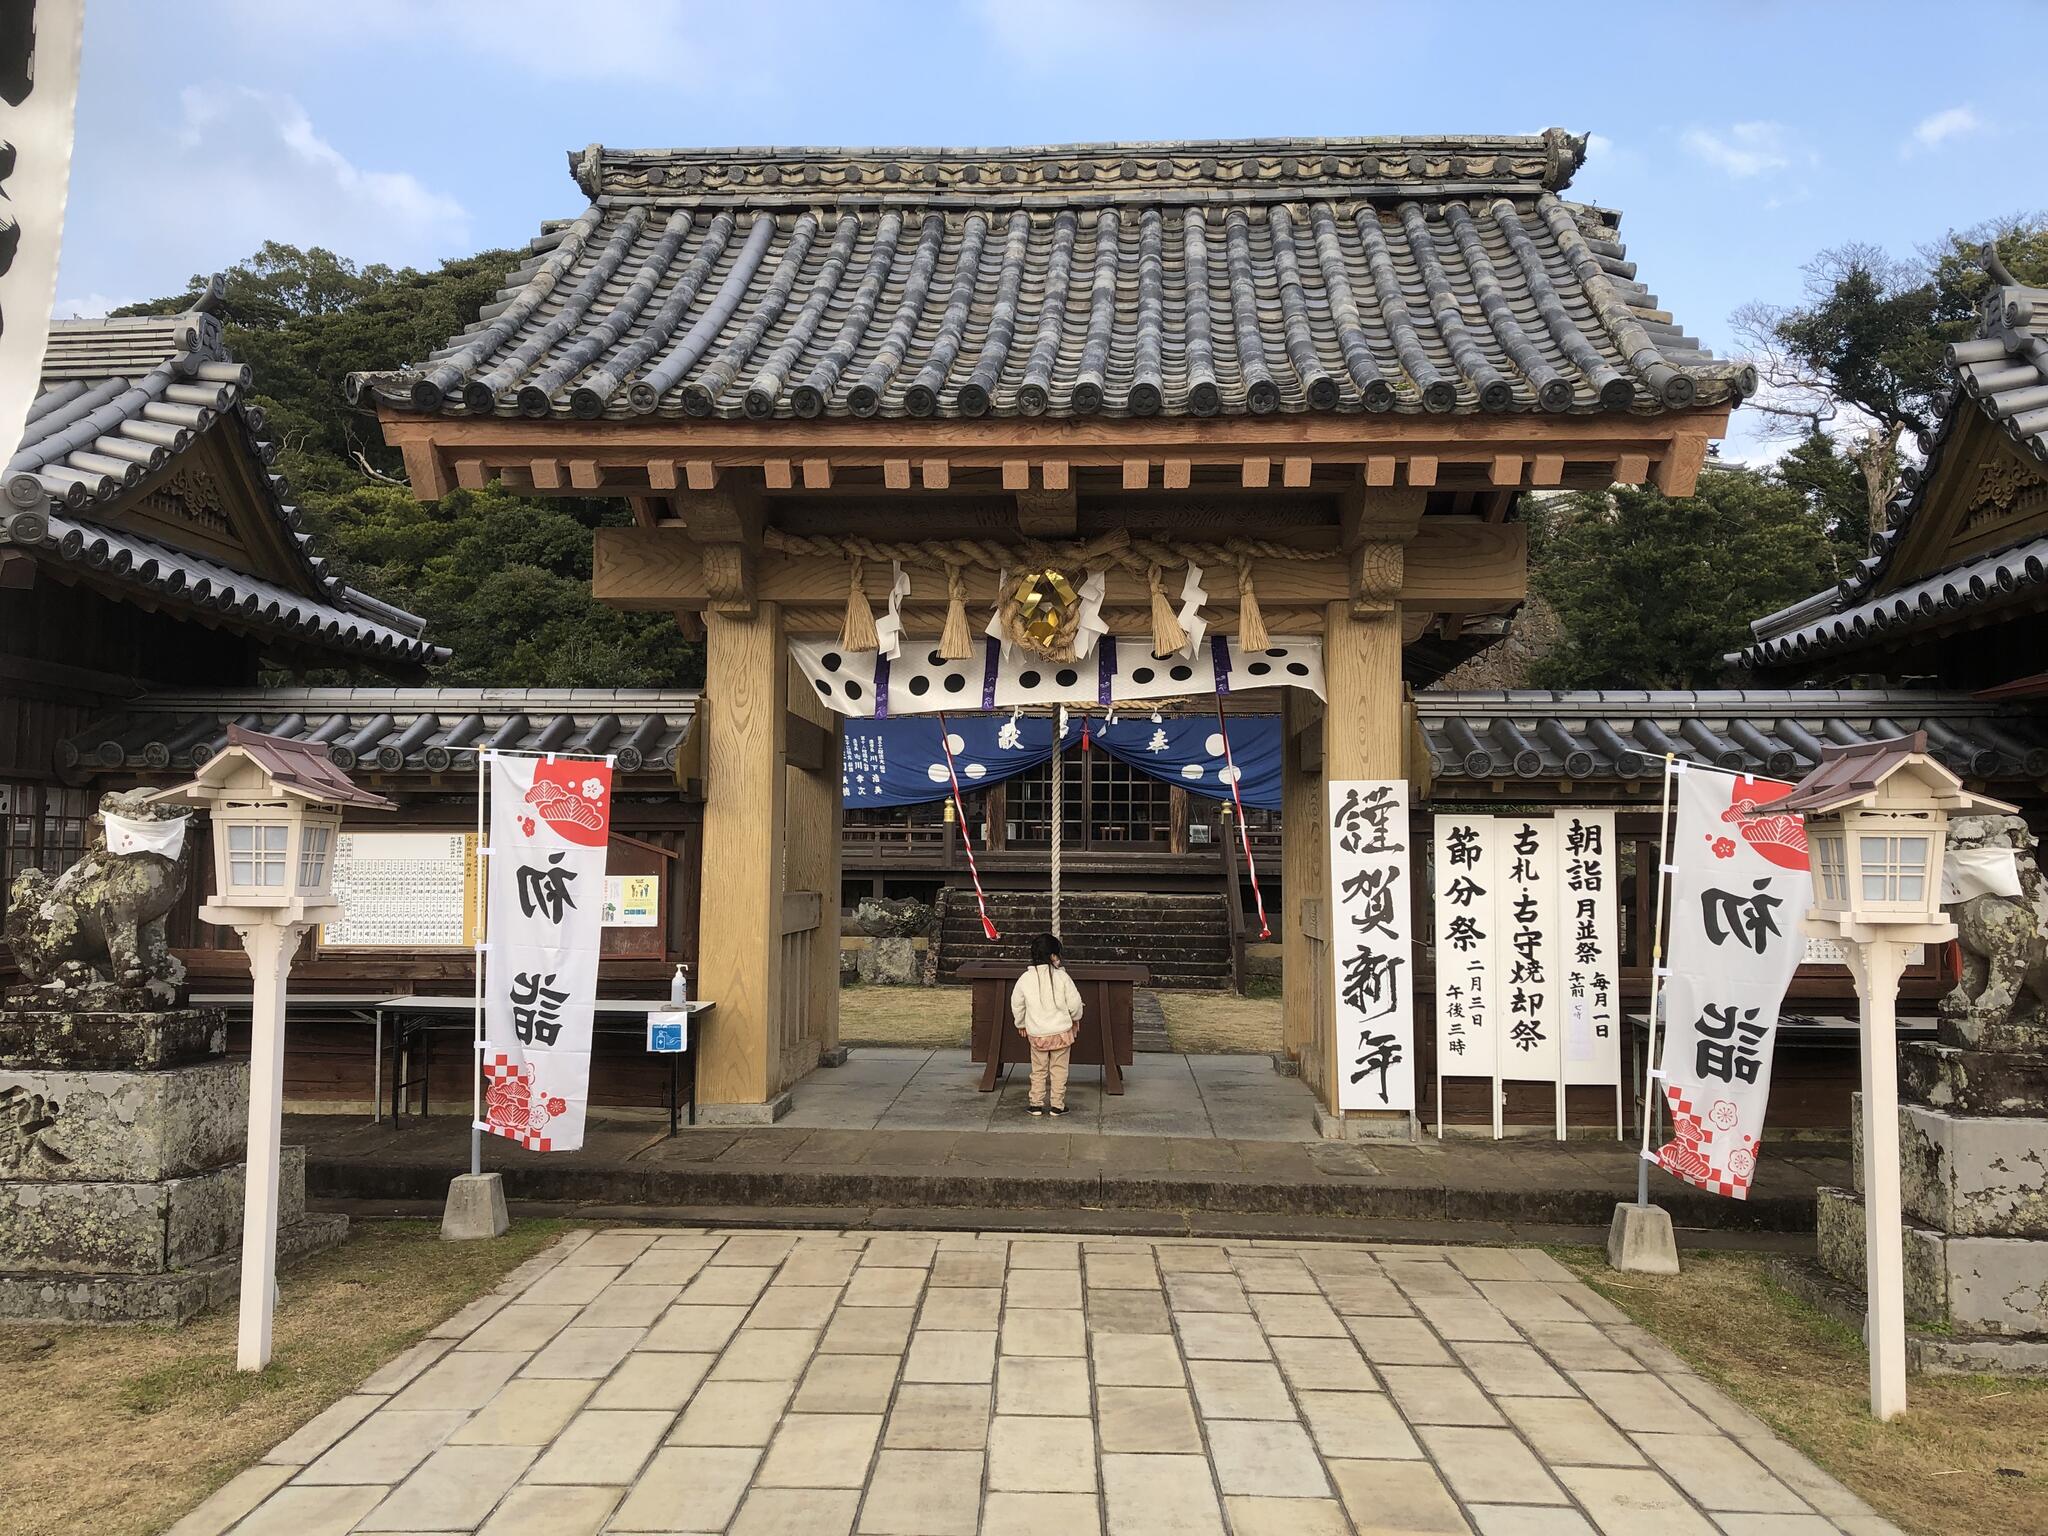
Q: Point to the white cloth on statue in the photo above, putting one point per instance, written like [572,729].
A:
[1968,872]
[164,838]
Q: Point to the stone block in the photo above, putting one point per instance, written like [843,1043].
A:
[1966,1082]
[1976,1176]
[1980,1285]
[133,1227]
[1641,1240]
[889,962]
[92,1126]
[475,1208]
[109,1039]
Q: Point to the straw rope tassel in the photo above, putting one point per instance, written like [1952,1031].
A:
[956,643]
[858,632]
[1167,635]
[1251,623]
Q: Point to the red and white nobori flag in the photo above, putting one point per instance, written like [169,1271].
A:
[550,823]
[1739,890]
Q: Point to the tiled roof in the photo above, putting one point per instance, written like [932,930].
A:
[1617,735]
[120,401]
[2002,372]
[1123,280]
[392,730]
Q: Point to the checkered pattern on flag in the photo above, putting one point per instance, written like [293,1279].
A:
[1739,890]
[550,824]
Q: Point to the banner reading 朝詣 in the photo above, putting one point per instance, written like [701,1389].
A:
[1373,998]
[550,823]
[1467,934]
[1586,874]
[1739,888]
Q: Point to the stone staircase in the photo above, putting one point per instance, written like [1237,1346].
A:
[1183,940]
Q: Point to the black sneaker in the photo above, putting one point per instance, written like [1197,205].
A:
[1057,1109]
[1039,1109]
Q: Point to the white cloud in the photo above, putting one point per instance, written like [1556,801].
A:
[241,166]
[1938,128]
[87,306]
[1746,150]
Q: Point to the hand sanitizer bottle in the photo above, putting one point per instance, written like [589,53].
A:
[678,989]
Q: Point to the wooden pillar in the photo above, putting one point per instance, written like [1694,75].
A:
[811,863]
[746,690]
[1301,878]
[1363,730]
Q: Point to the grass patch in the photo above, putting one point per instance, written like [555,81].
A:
[931,1017]
[121,1430]
[1971,1453]
[1221,1022]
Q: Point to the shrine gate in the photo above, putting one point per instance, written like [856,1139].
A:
[1078,425]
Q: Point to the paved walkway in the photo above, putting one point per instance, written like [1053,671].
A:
[907,1384]
[1165,1094]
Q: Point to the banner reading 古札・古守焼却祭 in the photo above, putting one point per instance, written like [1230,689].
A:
[1371,959]
[1739,889]
[550,823]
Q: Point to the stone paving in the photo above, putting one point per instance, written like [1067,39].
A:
[946,1384]
[898,1088]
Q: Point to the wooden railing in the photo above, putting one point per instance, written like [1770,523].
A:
[802,913]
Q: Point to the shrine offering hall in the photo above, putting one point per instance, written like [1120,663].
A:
[1236,428]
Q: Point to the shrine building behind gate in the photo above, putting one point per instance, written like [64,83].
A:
[1290,387]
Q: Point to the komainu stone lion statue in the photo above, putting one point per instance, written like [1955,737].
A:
[2000,1003]
[94,936]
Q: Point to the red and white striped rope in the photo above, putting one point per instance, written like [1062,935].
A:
[1244,835]
[966,837]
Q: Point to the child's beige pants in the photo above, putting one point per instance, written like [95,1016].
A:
[1050,1065]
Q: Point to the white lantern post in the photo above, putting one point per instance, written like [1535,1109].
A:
[276,807]
[1876,829]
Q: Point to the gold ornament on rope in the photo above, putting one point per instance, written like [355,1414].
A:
[1042,613]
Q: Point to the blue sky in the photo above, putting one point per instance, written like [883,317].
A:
[1738,139]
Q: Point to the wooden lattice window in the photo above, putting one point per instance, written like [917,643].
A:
[41,827]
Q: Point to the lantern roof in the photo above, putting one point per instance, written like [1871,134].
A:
[299,769]
[1851,776]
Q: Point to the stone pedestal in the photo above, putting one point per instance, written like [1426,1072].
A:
[121,1171]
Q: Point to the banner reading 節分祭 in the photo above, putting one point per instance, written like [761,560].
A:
[550,823]
[1467,910]
[1373,995]
[1739,890]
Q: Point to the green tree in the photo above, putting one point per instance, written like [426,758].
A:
[503,581]
[1864,350]
[1652,592]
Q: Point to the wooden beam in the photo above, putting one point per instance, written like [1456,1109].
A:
[1505,469]
[1047,514]
[896,474]
[470,475]
[1547,469]
[547,474]
[1452,563]
[1055,475]
[806,744]
[1679,470]
[1368,512]
[778,474]
[817,474]
[1177,474]
[700,474]
[1381,469]
[585,475]
[723,517]
[1016,474]
[1422,470]
[423,469]
[1632,469]
[648,511]
[1257,474]
[661,474]
[1137,474]
[938,474]
[1296,470]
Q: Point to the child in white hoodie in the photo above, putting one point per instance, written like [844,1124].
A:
[1046,1007]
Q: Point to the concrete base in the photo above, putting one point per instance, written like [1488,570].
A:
[744,1114]
[836,1057]
[1286,1065]
[1641,1240]
[476,1208]
[1365,1125]
[174,1297]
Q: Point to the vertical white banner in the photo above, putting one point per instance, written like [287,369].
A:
[550,824]
[39,44]
[1373,994]
[1739,888]
[1530,983]
[1467,938]
[1587,871]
